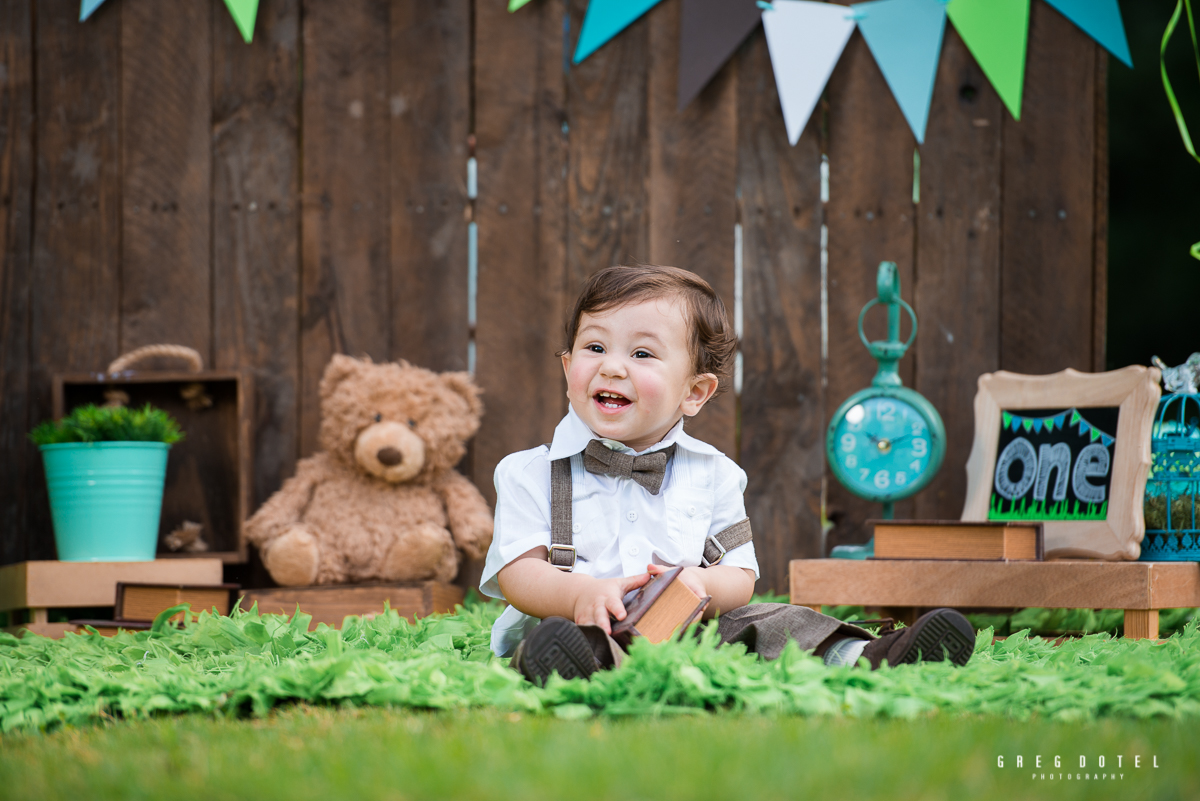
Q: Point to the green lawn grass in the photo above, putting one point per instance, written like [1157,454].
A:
[319,752]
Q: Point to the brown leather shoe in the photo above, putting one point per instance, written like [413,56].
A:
[937,635]
[556,646]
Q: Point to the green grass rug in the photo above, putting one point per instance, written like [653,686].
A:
[250,663]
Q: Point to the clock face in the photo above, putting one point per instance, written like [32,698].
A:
[882,447]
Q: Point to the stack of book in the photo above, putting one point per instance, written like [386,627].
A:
[998,541]
[137,605]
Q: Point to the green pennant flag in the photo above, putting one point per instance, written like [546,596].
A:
[1027,423]
[1048,423]
[1075,418]
[1095,434]
[996,33]
[244,12]
[513,5]
[1007,420]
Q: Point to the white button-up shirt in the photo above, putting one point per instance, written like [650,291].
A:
[618,526]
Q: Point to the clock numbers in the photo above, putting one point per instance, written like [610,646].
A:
[901,479]
[916,429]
[863,472]
[915,466]
[883,480]
[852,461]
[848,442]
[886,412]
[920,447]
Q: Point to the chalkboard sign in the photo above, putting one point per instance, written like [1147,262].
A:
[1070,450]
[1054,464]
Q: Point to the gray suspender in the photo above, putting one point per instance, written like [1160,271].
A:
[562,552]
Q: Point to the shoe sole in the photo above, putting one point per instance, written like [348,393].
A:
[557,646]
[943,634]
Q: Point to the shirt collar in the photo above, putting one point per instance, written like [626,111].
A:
[572,436]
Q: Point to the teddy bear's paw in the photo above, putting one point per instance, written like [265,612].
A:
[293,557]
[418,553]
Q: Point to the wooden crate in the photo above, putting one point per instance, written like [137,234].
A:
[331,604]
[37,587]
[209,473]
[1140,588]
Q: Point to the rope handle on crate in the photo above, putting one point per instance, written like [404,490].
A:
[190,355]
[195,395]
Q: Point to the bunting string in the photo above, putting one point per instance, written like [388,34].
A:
[1071,418]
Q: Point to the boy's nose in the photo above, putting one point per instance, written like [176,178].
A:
[612,367]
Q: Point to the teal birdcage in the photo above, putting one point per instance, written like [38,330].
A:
[1172,517]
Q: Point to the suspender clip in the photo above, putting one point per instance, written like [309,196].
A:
[714,541]
[566,568]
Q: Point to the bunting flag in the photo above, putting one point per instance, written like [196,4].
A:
[1101,20]
[905,37]
[996,32]
[805,40]
[709,33]
[604,20]
[1016,422]
[513,5]
[244,12]
[87,7]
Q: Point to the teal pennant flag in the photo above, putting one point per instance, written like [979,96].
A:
[905,36]
[604,20]
[87,7]
[1101,20]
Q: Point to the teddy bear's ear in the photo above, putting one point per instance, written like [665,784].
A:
[463,385]
[340,368]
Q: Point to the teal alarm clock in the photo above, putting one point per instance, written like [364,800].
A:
[885,442]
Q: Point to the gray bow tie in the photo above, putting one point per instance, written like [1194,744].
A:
[647,469]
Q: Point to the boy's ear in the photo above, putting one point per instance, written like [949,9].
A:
[703,387]
[566,362]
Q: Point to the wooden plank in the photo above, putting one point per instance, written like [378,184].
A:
[75,304]
[1141,624]
[429,105]
[166,156]
[16,231]
[1048,223]
[256,262]
[345,261]
[782,442]
[56,584]
[521,213]
[693,191]
[1056,584]
[870,219]
[330,605]
[607,108]
[958,262]
[52,630]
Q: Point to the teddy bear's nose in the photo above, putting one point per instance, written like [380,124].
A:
[389,457]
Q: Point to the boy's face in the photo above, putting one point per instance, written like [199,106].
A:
[629,372]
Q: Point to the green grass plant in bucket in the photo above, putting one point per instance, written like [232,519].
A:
[105,469]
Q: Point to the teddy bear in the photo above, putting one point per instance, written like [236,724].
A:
[382,500]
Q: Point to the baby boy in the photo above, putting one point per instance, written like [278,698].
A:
[622,493]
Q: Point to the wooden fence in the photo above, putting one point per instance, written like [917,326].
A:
[275,203]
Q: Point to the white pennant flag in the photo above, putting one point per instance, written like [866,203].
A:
[806,40]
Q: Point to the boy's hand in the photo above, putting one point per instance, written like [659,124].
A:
[692,578]
[603,598]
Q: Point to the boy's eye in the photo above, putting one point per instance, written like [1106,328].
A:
[596,348]
[643,354]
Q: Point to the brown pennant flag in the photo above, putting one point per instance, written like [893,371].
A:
[709,34]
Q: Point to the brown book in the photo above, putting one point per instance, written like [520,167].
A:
[108,628]
[145,601]
[661,607]
[1001,540]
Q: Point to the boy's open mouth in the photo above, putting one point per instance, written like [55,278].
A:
[611,400]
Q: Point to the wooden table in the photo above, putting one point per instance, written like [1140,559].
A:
[1140,588]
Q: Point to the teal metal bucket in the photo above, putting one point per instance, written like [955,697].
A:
[105,499]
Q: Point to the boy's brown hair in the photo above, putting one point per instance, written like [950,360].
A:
[711,338]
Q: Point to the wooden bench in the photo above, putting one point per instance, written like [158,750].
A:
[904,586]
